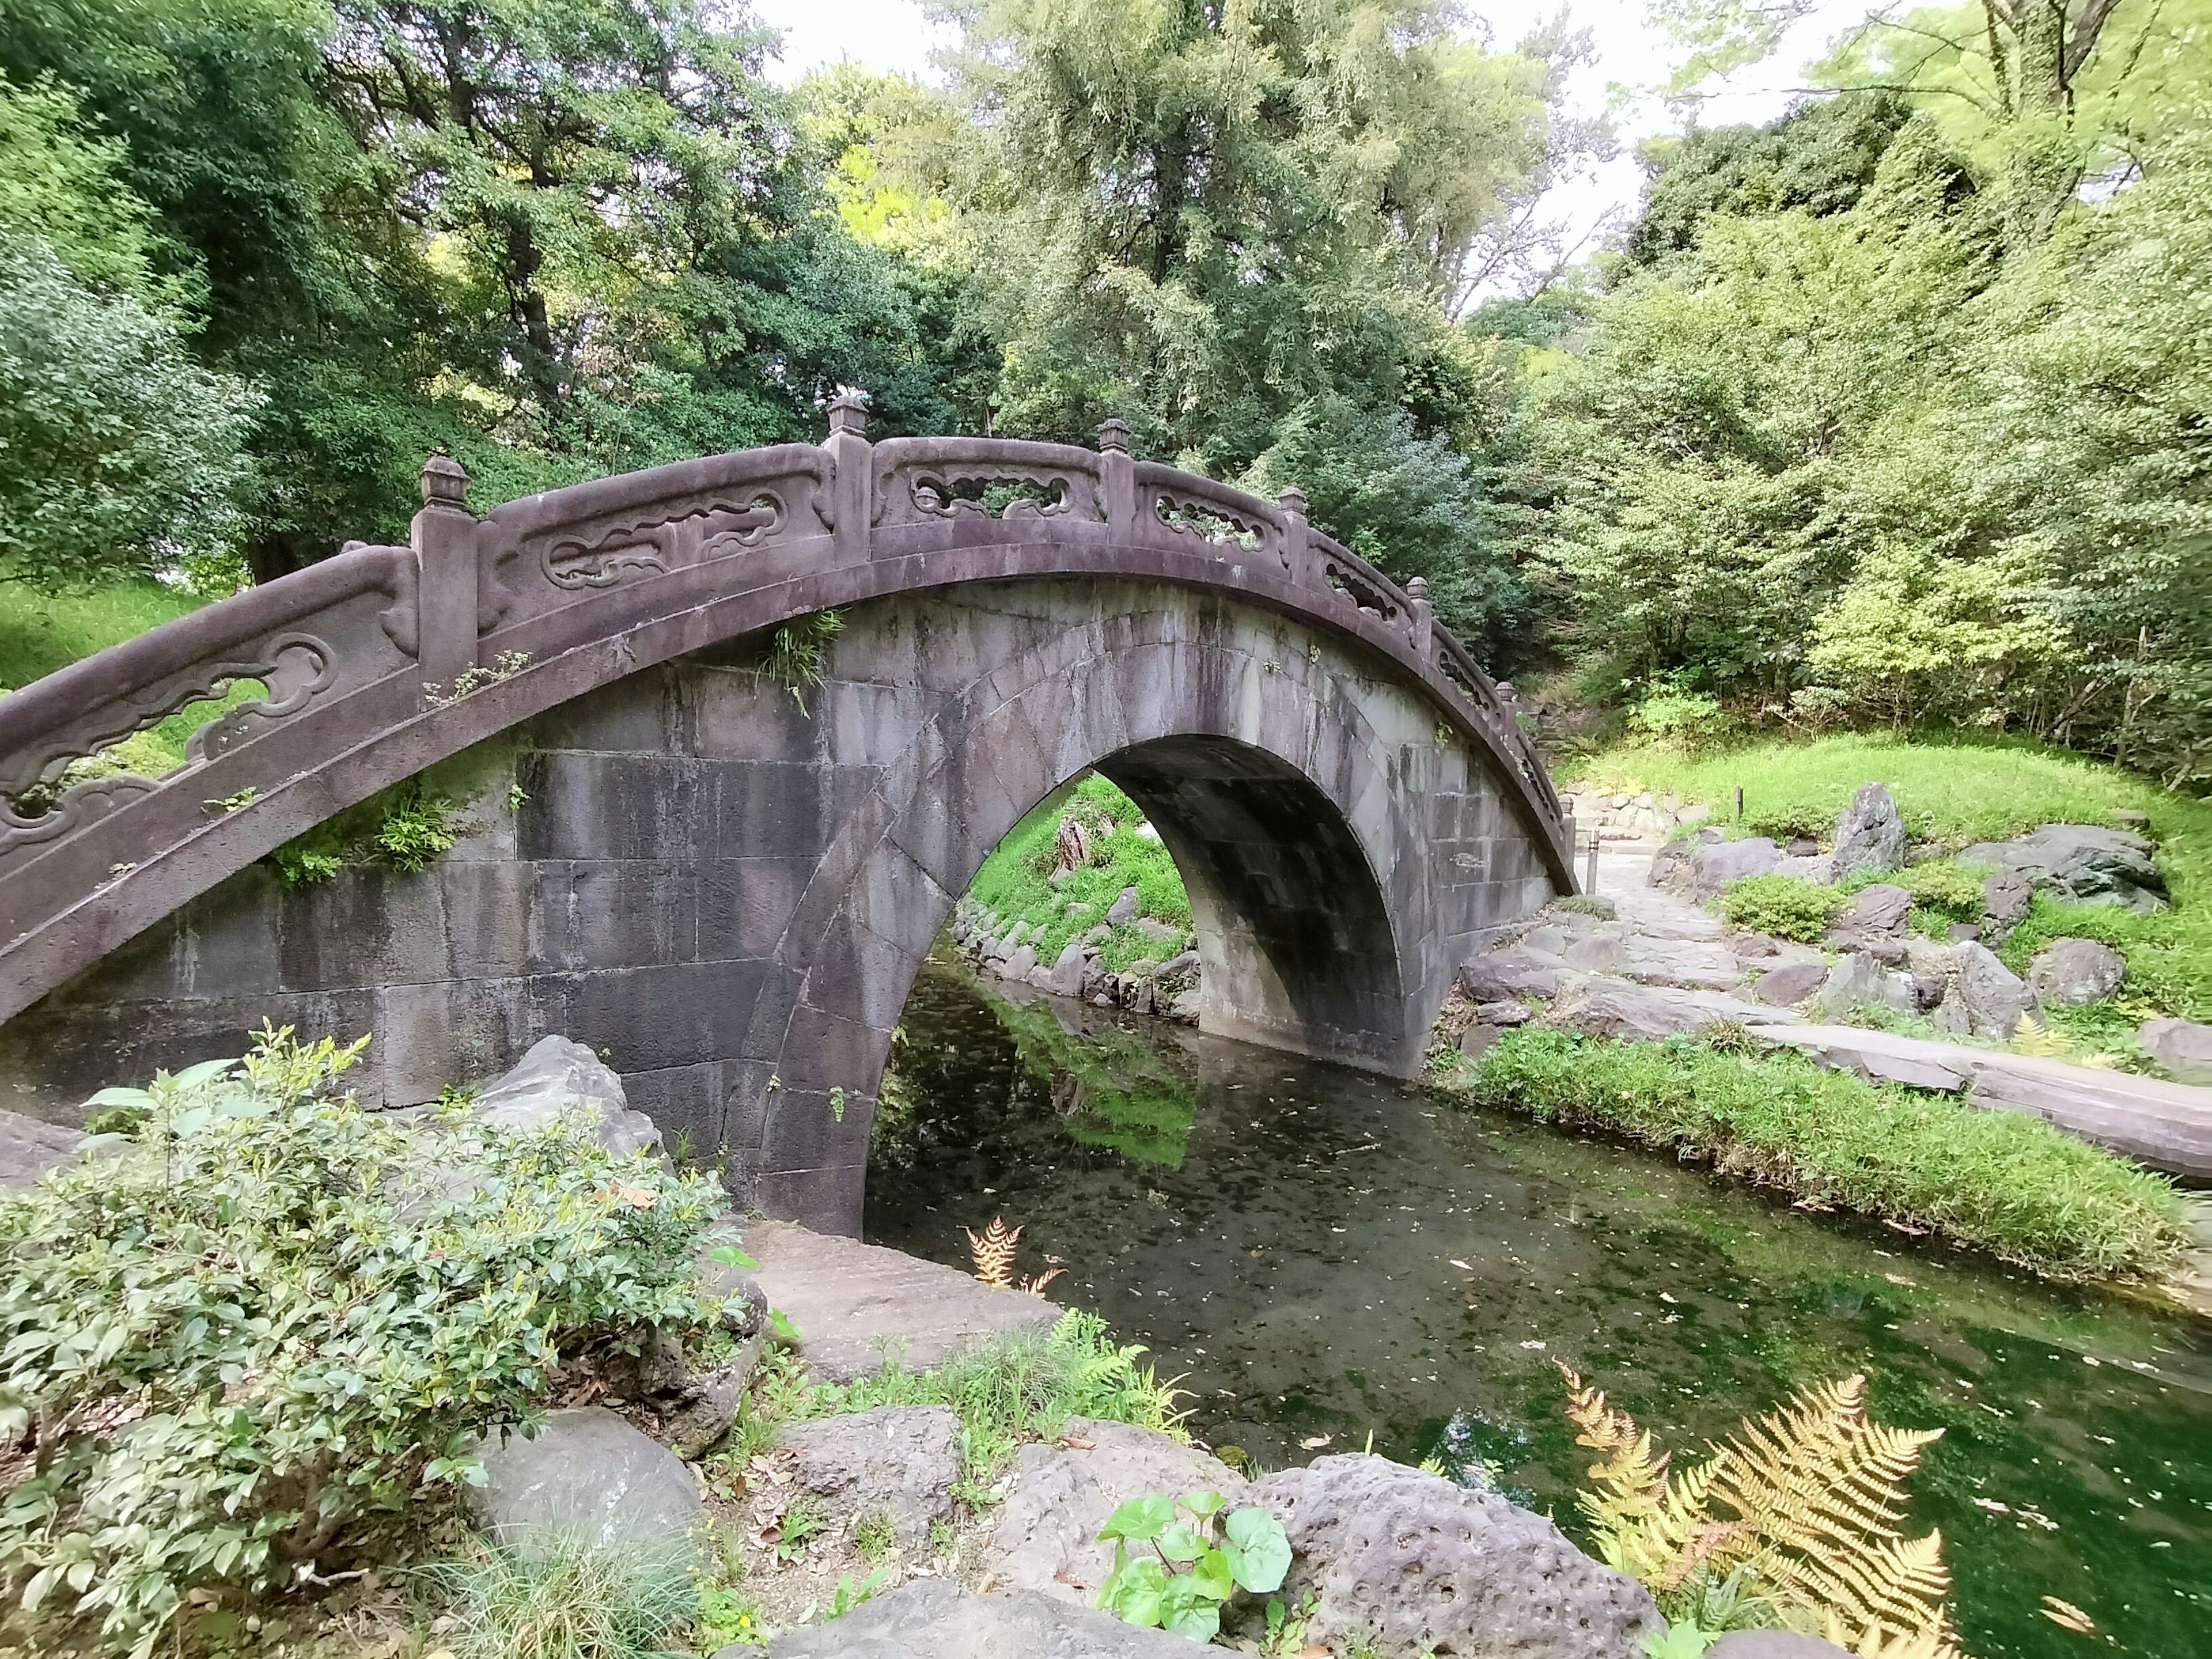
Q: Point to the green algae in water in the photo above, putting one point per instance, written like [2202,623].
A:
[1333,1254]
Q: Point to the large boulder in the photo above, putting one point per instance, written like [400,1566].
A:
[2079,861]
[1859,980]
[1710,866]
[1503,976]
[1123,909]
[1790,984]
[898,1462]
[2179,1048]
[559,1075]
[1615,1008]
[1879,909]
[1067,969]
[935,1619]
[1869,833]
[1412,1562]
[1047,1537]
[1019,965]
[1991,996]
[2068,973]
[587,1475]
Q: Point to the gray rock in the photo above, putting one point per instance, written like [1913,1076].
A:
[935,1619]
[1691,964]
[1159,932]
[1098,934]
[29,1147]
[1790,984]
[1754,947]
[587,1475]
[1040,979]
[1869,833]
[1123,908]
[556,1076]
[1597,952]
[1858,981]
[712,1406]
[1773,1644]
[1506,976]
[1047,1537]
[1820,870]
[1501,1013]
[2069,972]
[2179,1048]
[1076,909]
[1877,909]
[1990,995]
[1615,1008]
[1412,1562]
[1019,964]
[897,1462]
[2079,861]
[1547,939]
[1067,969]
[1711,867]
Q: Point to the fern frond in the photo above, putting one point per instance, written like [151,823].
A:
[1648,1524]
[994,1252]
[1034,1286]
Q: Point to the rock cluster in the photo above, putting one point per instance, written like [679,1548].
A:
[2082,862]
[1167,985]
[1641,817]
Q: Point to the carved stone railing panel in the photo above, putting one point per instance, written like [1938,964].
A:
[1197,515]
[542,552]
[974,480]
[1359,582]
[337,626]
[1458,665]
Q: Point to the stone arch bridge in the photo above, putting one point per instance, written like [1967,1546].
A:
[667,857]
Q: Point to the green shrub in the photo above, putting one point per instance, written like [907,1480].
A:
[1999,1182]
[1789,907]
[568,1598]
[1671,714]
[272,1314]
[407,827]
[1951,891]
[417,830]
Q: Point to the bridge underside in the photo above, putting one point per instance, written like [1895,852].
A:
[730,895]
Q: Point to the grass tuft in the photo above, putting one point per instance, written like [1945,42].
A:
[1998,1181]
[567,1598]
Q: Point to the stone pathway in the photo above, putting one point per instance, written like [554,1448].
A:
[855,1302]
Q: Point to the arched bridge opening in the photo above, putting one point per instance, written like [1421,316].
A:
[727,888]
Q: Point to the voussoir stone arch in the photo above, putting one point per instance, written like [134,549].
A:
[725,887]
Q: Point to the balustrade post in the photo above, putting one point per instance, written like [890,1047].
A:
[444,538]
[1421,620]
[1293,503]
[854,488]
[1117,478]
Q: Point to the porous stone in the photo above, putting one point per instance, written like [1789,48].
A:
[1123,909]
[1412,1562]
[2068,973]
[1990,995]
[1869,833]
[2084,862]
[935,1619]
[556,1076]
[898,1462]
[1773,1644]
[1859,980]
[588,1476]
[2179,1048]
[1047,1537]
[1876,909]
[1501,1013]
[1506,976]
[1787,986]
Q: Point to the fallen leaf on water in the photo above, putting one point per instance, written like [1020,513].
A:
[1460,1265]
[1317,1442]
[1668,1299]
[2067,1616]
[1535,1345]
[1992,1506]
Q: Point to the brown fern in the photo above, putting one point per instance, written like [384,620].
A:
[1034,1286]
[1816,1494]
[994,1252]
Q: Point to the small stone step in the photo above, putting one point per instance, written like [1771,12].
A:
[856,1303]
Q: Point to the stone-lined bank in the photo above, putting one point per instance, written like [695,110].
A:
[1005,948]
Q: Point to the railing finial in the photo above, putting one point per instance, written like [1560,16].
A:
[848,412]
[1114,435]
[444,483]
[1417,587]
[1292,500]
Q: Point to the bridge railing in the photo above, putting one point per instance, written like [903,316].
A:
[381,640]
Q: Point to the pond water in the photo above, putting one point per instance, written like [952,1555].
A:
[1321,1255]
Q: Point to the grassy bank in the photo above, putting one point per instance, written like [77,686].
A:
[1959,791]
[1015,879]
[1997,1181]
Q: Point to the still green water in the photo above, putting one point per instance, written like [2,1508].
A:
[1321,1255]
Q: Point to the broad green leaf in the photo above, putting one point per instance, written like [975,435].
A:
[1259,1552]
[1133,1593]
[1181,1542]
[1140,1517]
[1210,1574]
[1202,1503]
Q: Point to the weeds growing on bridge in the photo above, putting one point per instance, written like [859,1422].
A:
[1995,1181]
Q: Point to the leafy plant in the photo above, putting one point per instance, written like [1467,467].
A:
[568,1597]
[849,1596]
[1197,1559]
[726,1615]
[1804,1503]
[417,830]
[799,1524]
[1788,907]
[873,1537]
[793,657]
[273,1314]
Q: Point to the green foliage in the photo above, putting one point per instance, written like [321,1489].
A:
[1013,880]
[727,1616]
[1789,907]
[1018,1388]
[409,826]
[273,1315]
[1998,1181]
[1191,1560]
[1942,892]
[794,657]
[568,1597]
[1672,713]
